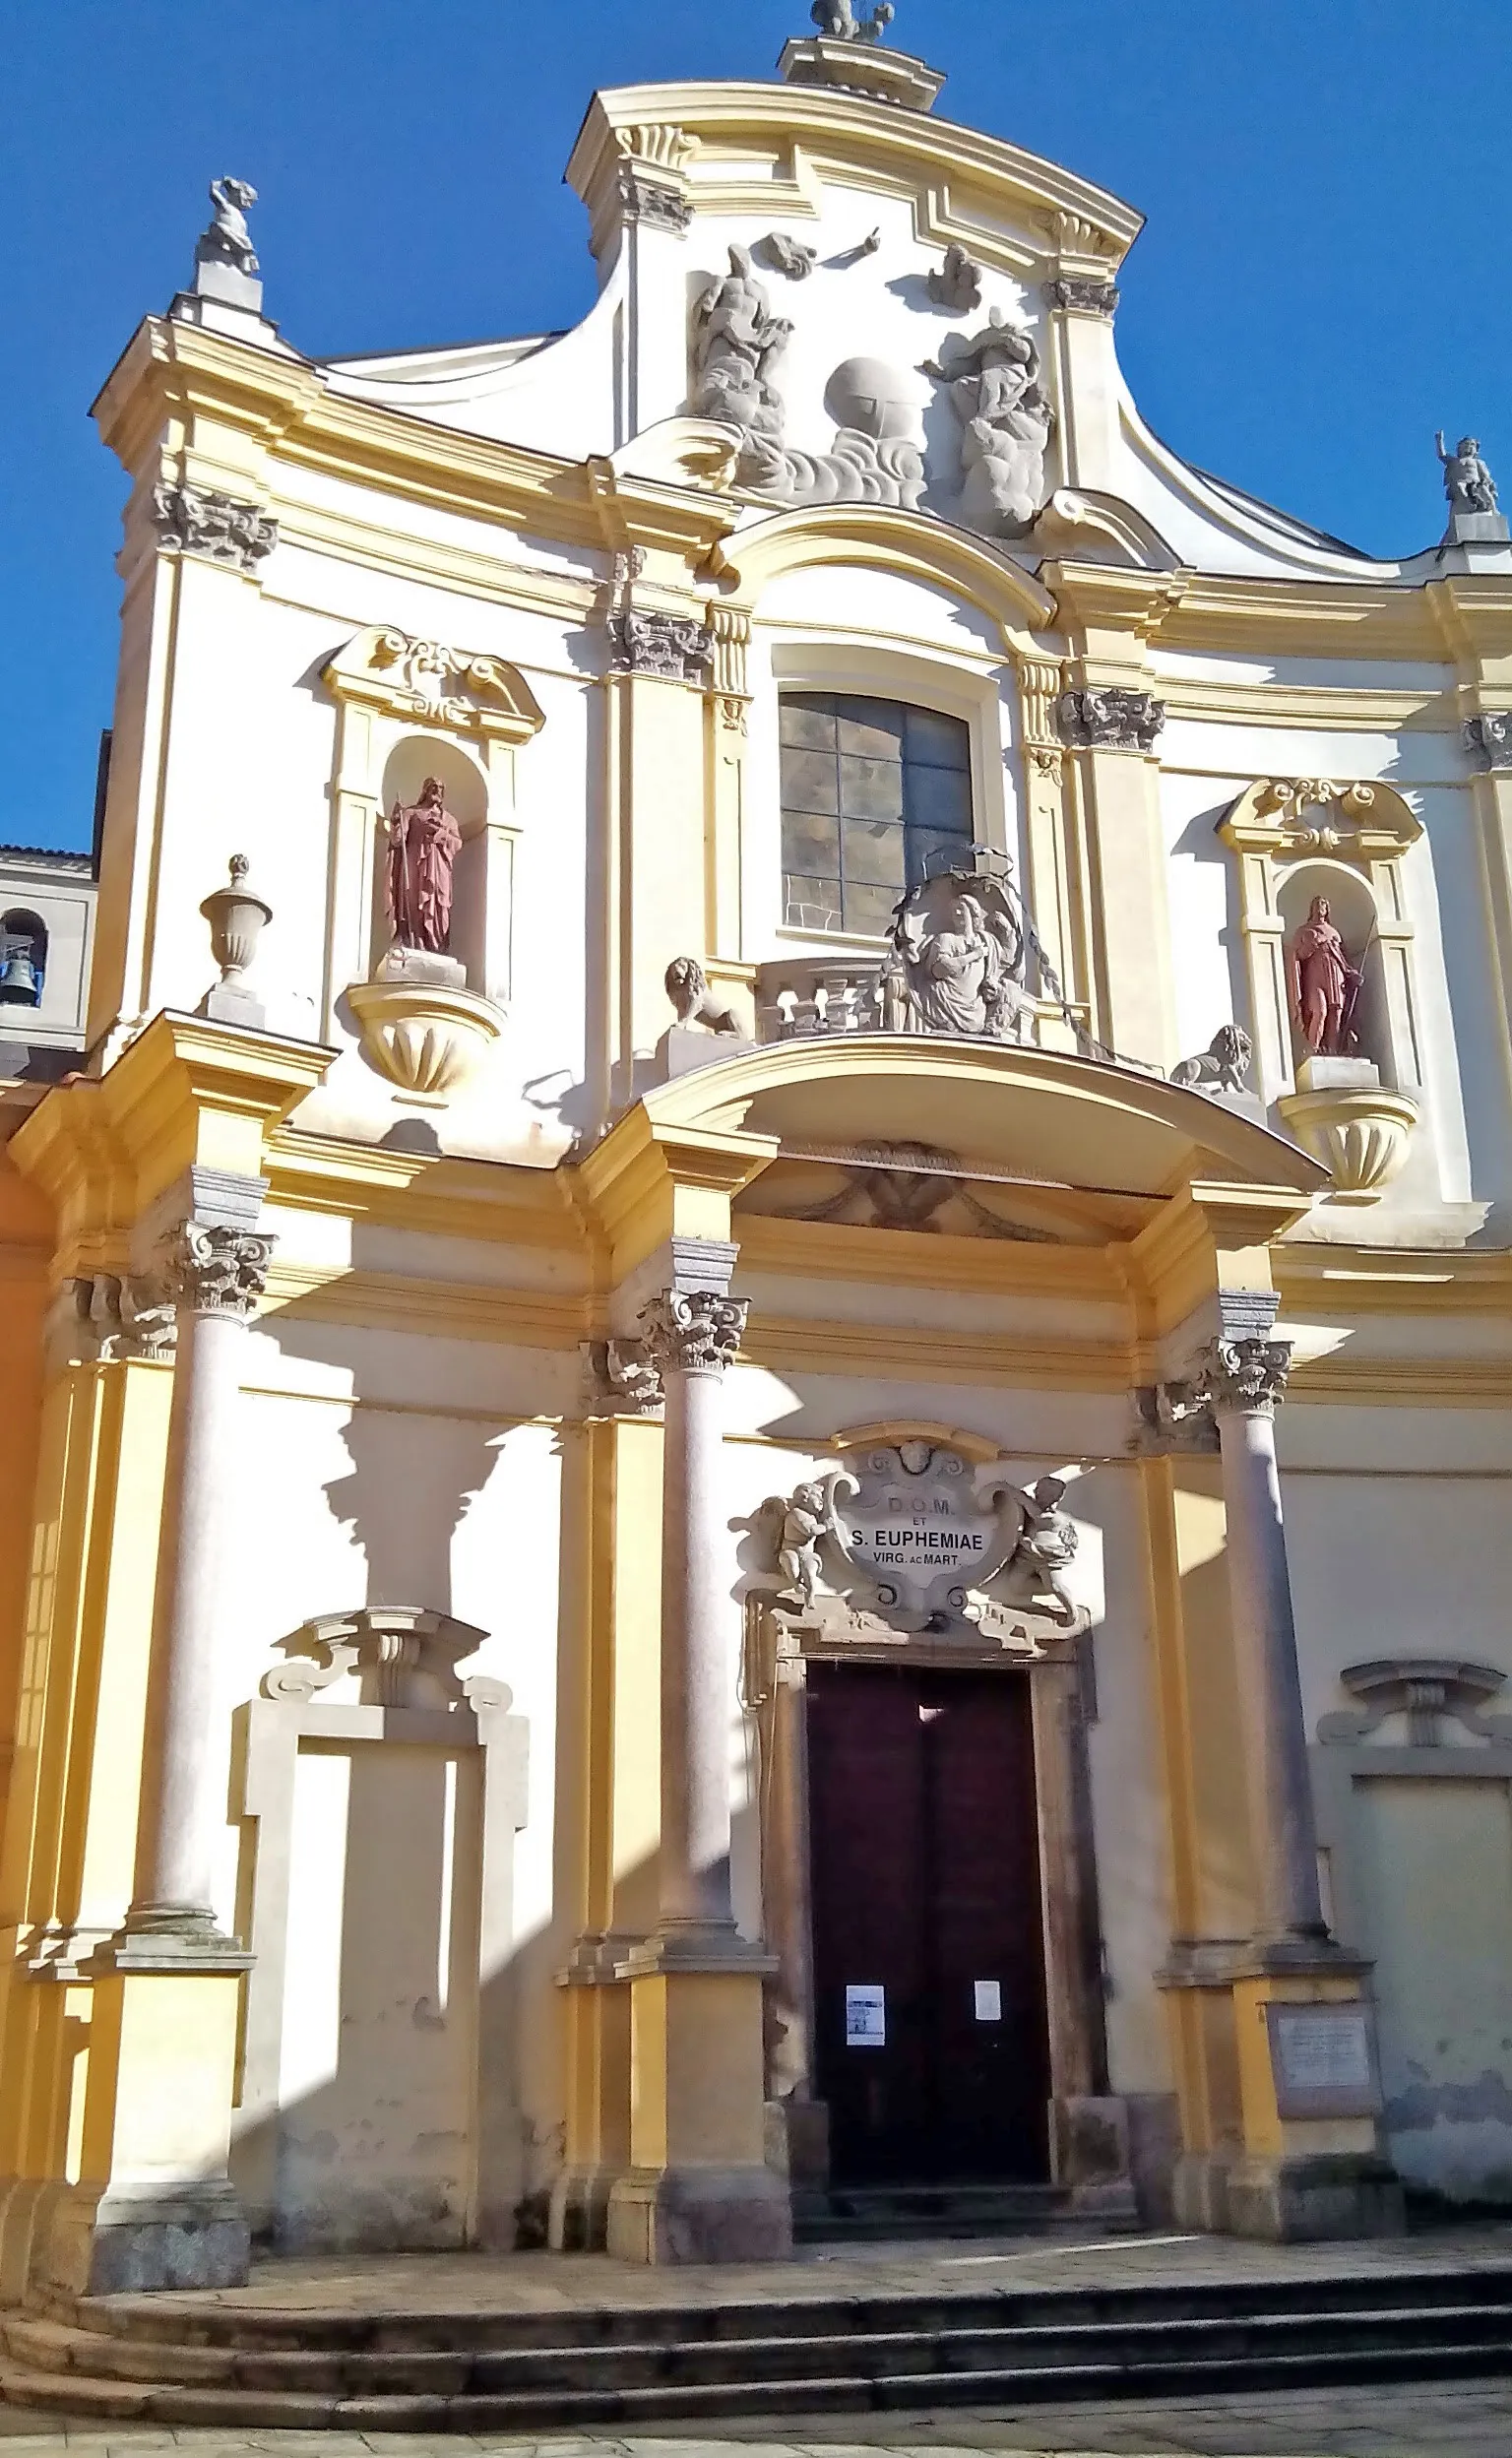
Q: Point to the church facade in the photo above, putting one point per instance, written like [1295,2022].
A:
[760,1383]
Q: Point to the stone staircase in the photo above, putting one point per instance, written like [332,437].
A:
[185,2359]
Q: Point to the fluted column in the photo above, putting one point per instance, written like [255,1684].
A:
[1242,1379]
[216,1275]
[691,1337]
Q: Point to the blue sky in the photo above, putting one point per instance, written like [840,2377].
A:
[1322,281]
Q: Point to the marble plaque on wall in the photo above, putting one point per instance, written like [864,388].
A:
[1323,2059]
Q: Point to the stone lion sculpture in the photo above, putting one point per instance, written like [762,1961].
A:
[687,986]
[1222,1066]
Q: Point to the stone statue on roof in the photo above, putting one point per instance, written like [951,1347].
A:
[838,19]
[1468,482]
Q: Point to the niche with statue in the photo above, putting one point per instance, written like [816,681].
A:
[1328,944]
[424,1019]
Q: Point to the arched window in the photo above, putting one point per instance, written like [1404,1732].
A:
[23,957]
[876,795]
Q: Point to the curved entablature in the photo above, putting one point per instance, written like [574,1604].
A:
[1038,1113]
[882,538]
[1012,206]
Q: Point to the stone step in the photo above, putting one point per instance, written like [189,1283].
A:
[851,2214]
[79,2396]
[77,2369]
[223,2323]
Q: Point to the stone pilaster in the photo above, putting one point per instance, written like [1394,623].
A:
[154,2206]
[698,2188]
[1242,1380]
[1300,2175]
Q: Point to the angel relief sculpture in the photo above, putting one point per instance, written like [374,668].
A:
[991,379]
[911,1538]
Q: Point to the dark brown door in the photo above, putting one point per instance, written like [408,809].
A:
[925,1879]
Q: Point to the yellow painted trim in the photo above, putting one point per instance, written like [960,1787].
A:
[648,1180]
[906,1352]
[1395,1382]
[1319,708]
[1350,1280]
[914,1259]
[185,1090]
[525,1318]
[501,1203]
[379,546]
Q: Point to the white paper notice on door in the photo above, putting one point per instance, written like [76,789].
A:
[988,1995]
[865,2014]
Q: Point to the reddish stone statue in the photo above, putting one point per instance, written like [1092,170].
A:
[424,842]
[1323,986]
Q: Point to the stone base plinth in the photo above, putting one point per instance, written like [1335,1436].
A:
[1313,2196]
[666,2215]
[131,2242]
[578,2220]
[1199,2191]
[797,2140]
[1090,2156]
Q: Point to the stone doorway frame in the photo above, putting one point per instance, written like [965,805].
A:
[1089,2130]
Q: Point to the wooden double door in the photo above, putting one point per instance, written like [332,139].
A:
[929,2002]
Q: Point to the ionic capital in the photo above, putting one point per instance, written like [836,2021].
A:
[215,1270]
[692,1331]
[1245,1377]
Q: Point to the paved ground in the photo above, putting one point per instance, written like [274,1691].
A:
[557,2282]
[1469,2420]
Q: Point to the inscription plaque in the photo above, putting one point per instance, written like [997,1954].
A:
[1323,2060]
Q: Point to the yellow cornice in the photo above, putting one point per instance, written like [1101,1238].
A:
[998,192]
[175,383]
[1346,1282]
[801,1344]
[1293,617]
[1097,602]
[498,1203]
[647,1182]
[914,1259]
[184,1092]
[438,1310]
[1319,708]
[1206,1238]
[1386,1382]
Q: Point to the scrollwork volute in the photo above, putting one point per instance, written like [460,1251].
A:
[215,1270]
[1245,1377]
[692,1331]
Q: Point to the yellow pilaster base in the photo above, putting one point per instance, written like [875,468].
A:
[1303,2176]
[598,2145]
[697,2188]
[154,2206]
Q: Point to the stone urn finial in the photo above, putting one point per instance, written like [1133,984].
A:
[236,917]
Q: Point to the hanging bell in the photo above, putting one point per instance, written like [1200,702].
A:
[19,985]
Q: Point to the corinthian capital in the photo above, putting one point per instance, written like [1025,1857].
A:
[1245,1377]
[692,1332]
[215,1270]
